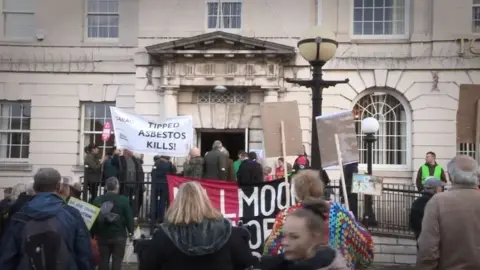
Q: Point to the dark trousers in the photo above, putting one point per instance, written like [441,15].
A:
[93,187]
[131,192]
[114,248]
[159,202]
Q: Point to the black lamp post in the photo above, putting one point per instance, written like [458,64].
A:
[370,126]
[319,47]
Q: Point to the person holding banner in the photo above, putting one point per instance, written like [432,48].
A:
[195,235]
[344,232]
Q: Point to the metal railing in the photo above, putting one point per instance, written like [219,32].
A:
[392,208]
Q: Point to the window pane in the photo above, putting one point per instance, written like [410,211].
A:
[368,28]
[114,32]
[212,22]
[19,25]
[378,28]
[357,28]
[226,8]
[399,28]
[388,3]
[388,28]
[212,8]
[388,14]
[379,3]
[400,3]
[368,14]
[358,3]
[368,3]
[358,14]
[399,14]
[378,14]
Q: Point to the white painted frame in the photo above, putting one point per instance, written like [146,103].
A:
[99,39]
[219,19]
[406,35]
[408,114]
[81,143]
[17,160]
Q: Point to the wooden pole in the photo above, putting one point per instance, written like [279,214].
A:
[342,174]
[285,167]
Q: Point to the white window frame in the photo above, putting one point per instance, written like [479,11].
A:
[17,160]
[381,37]
[408,115]
[83,132]
[101,39]
[475,4]
[220,18]
[6,12]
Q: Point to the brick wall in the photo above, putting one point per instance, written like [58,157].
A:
[394,250]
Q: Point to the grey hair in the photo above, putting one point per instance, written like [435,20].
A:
[46,180]
[17,190]
[30,191]
[217,145]
[463,170]
[112,184]
[225,151]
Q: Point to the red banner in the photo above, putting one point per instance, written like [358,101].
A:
[223,195]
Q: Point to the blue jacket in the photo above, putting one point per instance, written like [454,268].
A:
[71,226]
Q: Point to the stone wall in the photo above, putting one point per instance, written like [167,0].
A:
[395,250]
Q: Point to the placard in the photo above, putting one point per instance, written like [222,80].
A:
[89,212]
[172,138]
[367,184]
[340,123]
[273,113]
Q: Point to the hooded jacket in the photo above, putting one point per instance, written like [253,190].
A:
[325,259]
[211,244]
[71,227]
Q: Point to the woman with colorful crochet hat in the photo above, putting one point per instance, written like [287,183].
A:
[342,231]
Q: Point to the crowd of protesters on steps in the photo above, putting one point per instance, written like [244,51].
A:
[40,230]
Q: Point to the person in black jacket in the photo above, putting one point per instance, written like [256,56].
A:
[196,236]
[431,187]
[250,171]
[163,166]
[215,163]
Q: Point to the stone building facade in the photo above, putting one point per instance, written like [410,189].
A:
[59,73]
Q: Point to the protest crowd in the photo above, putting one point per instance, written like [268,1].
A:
[222,214]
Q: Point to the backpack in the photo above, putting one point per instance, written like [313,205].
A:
[106,214]
[43,246]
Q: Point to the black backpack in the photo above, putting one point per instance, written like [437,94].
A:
[43,247]
[107,215]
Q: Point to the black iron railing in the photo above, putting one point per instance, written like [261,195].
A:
[392,208]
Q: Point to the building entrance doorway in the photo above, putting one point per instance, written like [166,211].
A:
[233,140]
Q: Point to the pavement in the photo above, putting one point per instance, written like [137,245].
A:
[134,266]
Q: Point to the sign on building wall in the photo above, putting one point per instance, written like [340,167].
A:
[273,113]
[173,137]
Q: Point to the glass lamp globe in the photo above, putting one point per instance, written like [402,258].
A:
[370,125]
[318,46]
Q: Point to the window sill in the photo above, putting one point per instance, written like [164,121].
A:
[15,166]
[227,30]
[379,39]
[101,41]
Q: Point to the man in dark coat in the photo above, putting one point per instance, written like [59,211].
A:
[215,163]
[131,177]
[250,171]
[431,187]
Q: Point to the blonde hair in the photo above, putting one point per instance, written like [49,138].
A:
[309,189]
[191,205]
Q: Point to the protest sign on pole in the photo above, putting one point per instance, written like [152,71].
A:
[342,124]
[273,113]
[173,137]
[342,173]
[367,184]
[284,153]
[89,212]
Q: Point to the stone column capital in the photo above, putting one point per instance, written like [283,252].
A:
[171,90]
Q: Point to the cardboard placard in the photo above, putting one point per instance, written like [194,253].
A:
[340,123]
[273,113]
[367,184]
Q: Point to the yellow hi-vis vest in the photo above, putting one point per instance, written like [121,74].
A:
[437,173]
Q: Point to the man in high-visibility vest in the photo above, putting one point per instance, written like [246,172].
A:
[430,168]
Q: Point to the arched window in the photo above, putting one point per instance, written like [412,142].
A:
[393,138]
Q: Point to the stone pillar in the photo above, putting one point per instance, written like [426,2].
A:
[170,100]
[270,95]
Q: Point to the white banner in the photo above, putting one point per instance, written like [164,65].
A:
[172,138]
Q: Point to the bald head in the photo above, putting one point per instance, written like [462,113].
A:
[46,180]
[463,170]
[195,152]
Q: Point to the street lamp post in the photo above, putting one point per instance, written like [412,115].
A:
[370,126]
[317,48]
